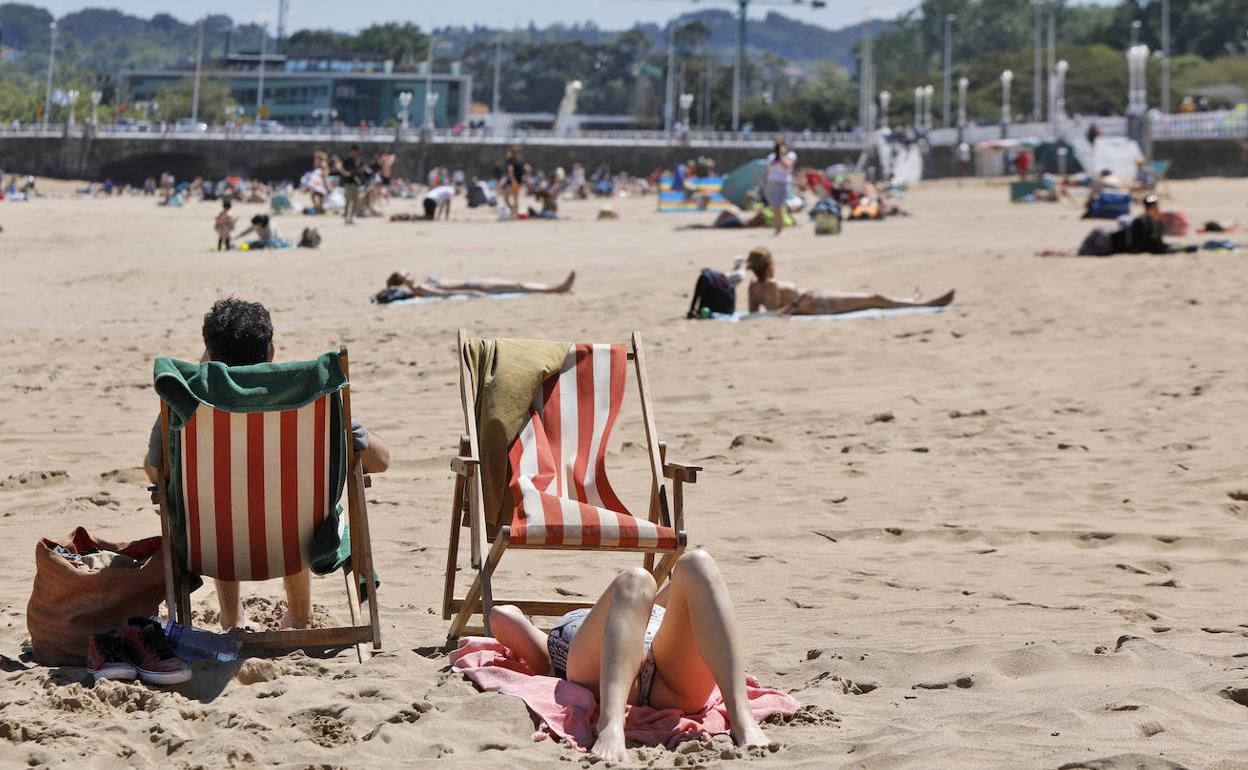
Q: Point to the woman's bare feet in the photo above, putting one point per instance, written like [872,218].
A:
[566,286]
[610,744]
[750,734]
[942,300]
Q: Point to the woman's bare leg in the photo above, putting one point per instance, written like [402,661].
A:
[505,286]
[697,648]
[777,215]
[607,652]
[830,304]
[516,632]
[231,603]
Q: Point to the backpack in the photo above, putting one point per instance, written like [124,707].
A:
[713,293]
[310,239]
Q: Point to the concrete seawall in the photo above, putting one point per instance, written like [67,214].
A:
[131,159]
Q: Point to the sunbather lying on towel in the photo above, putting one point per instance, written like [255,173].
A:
[769,294]
[665,649]
[401,286]
[240,333]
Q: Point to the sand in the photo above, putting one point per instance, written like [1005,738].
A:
[1006,536]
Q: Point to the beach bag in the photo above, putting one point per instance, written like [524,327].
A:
[1175,223]
[1099,243]
[86,585]
[827,224]
[310,239]
[713,293]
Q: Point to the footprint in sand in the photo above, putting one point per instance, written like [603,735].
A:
[34,480]
[1237,694]
[748,441]
[962,682]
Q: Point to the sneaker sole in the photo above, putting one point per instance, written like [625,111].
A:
[165,677]
[116,673]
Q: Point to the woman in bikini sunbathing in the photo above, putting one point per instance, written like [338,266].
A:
[780,296]
[403,286]
[666,649]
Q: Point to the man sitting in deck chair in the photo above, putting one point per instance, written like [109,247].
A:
[240,333]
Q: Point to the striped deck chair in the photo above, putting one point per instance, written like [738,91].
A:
[256,459]
[562,497]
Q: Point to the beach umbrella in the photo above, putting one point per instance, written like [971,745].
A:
[743,180]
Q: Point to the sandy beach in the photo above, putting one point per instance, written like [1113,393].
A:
[1009,535]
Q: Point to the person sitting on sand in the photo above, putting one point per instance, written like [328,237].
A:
[240,333]
[769,294]
[267,235]
[667,649]
[1143,235]
[401,286]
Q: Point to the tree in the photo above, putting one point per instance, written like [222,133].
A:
[175,101]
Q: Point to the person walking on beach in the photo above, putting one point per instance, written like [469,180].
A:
[515,179]
[776,181]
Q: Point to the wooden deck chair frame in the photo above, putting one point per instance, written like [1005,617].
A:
[467,511]
[359,634]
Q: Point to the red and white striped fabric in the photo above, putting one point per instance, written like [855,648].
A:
[255,486]
[558,462]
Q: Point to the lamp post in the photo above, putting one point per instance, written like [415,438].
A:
[963,84]
[431,101]
[944,89]
[71,98]
[264,34]
[1135,33]
[405,101]
[1057,110]
[199,61]
[47,101]
[885,98]
[1007,77]
[1037,110]
[918,108]
[1137,94]
[1165,56]
[96,97]
[686,103]
[928,90]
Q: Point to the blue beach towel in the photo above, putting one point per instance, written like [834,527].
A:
[875,313]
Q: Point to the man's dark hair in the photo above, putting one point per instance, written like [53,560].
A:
[355,148]
[237,332]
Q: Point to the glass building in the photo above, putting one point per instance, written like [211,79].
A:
[308,90]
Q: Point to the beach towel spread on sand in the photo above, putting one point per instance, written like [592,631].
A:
[506,374]
[248,442]
[870,313]
[565,710]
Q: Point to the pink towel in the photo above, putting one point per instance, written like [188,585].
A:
[566,710]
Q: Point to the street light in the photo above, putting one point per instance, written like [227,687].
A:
[928,90]
[918,108]
[885,98]
[1137,97]
[96,97]
[405,101]
[686,103]
[47,101]
[71,98]
[1007,77]
[944,92]
[431,101]
[963,84]
[1059,94]
[1135,33]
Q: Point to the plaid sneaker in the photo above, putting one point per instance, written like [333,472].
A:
[147,648]
[107,660]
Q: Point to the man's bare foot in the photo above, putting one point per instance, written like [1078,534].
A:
[942,300]
[566,286]
[750,735]
[610,744]
[290,622]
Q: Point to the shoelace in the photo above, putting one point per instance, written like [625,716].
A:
[154,637]
[110,647]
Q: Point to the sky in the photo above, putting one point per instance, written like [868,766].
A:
[607,14]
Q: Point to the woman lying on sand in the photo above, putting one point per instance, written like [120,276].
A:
[403,286]
[666,649]
[783,297]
